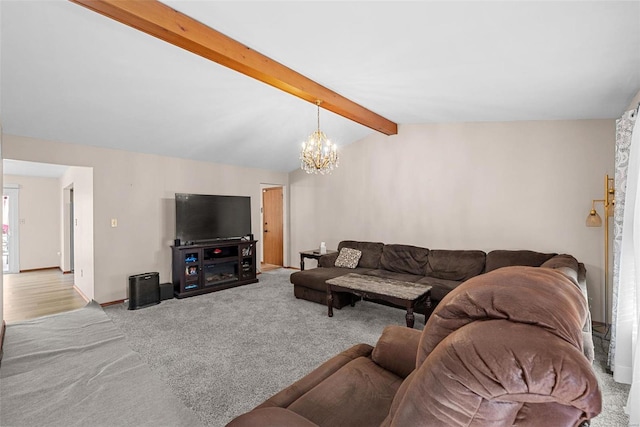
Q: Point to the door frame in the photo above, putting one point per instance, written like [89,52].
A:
[13,191]
[285,223]
[67,260]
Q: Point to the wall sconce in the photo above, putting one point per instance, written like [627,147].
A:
[594,220]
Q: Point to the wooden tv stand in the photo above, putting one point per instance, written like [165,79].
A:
[204,268]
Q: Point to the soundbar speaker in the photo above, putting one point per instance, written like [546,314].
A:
[144,290]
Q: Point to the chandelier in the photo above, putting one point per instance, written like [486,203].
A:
[319,154]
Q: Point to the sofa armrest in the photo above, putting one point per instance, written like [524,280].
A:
[290,394]
[328,260]
[396,349]
[271,417]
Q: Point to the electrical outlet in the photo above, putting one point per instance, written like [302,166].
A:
[114,222]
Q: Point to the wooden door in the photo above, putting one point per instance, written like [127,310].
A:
[272,225]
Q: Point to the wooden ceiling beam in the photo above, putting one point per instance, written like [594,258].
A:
[165,23]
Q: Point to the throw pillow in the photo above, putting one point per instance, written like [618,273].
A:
[348,258]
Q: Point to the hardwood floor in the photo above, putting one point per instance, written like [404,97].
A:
[267,267]
[39,293]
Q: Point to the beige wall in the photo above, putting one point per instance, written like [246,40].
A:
[460,185]
[39,221]
[138,190]
[81,180]
[510,185]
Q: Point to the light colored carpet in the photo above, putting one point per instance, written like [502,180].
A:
[76,369]
[225,352]
[614,395]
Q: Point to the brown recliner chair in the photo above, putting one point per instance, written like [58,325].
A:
[502,349]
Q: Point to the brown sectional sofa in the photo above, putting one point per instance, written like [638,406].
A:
[488,356]
[444,270]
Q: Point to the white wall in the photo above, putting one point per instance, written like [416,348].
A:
[39,221]
[138,190]
[500,185]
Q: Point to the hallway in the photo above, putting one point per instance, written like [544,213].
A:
[39,293]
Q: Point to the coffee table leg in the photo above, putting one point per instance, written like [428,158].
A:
[329,302]
[427,307]
[410,317]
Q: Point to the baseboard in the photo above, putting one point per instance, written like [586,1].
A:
[2,329]
[600,328]
[84,297]
[39,269]
[599,325]
[107,304]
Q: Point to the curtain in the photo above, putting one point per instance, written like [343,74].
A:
[624,128]
[625,348]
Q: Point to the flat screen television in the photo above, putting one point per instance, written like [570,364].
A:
[201,218]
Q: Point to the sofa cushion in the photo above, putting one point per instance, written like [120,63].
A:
[439,287]
[286,397]
[455,265]
[315,278]
[271,416]
[404,259]
[359,394]
[348,258]
[384,274]
[371,252]
[328,260]
[396,349]
[562,260]
[500,258]
[566,264]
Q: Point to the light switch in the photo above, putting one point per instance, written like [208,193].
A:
[114,222]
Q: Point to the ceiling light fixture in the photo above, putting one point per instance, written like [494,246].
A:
[319,154]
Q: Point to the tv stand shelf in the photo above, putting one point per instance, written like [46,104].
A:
[200,269]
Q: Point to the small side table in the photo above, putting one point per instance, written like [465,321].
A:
[313,254]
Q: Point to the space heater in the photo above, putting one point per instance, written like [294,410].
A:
[144,290]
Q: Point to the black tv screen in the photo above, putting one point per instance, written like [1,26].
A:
[207,217]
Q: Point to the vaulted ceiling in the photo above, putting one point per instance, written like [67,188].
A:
[69,74]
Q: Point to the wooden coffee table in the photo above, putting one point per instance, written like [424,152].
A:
[405,294]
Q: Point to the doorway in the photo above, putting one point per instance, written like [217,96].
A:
[71,227]
[10,231]
[272,226]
